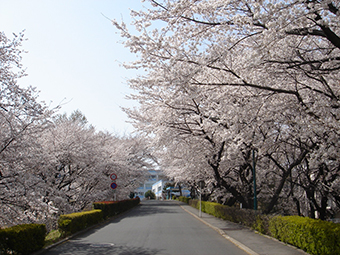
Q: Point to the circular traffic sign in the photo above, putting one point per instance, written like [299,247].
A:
[113,177]
[113,185]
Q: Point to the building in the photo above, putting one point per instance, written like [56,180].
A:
[153,177]
[155,181]
[176,191]
[157,188]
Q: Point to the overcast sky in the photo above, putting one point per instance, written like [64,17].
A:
[74,55]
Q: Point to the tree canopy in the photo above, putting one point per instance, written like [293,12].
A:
[224,79]
[50,163]
[150,195]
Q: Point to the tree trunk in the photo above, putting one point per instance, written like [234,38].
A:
[180,190]
[286,174]
[215,164]
[298,207]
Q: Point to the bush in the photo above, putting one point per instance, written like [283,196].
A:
[194,203]
[262,224]
[112,208]
[74,222]
[150,195]
[184,199]
[313,236]
[316,237]
[108,208]
[23,239]
[53,237]
[247,217]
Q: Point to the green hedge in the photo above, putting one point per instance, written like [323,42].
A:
[316,237]
[247,217]
[112,208]
[74,222]
[109,209]
[24,239]
[184,199]
[28,238]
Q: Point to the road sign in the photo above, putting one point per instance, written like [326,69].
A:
[113,185]
[113,177]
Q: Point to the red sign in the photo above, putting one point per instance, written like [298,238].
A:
[113,185]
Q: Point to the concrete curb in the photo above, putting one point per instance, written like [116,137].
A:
[222,233]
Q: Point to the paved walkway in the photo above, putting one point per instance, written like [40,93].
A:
[248,240]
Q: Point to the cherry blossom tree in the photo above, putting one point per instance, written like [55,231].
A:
[76,164]
[52,164]
[261,75]
[22,119]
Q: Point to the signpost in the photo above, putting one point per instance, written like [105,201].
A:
[113,185]
[201,185]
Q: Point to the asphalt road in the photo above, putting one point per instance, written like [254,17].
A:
[154,227]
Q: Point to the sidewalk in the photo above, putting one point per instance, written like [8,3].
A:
[245,238]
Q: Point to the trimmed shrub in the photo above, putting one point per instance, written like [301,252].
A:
[24,239]
[246,217]
[313,236]
[74,222]
[262,224]
[194,203]
[108,208]
[184,199]
[112,208]
[316,237]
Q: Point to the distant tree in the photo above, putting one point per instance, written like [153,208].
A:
[132,195]
[150,195]
[168,184]
[76,116]
[79,162]
[52,164]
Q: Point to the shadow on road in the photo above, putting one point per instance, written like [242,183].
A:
[149,207]
[74,247]
[146,208]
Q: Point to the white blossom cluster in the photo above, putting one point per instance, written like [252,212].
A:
[225,79]
[52,164]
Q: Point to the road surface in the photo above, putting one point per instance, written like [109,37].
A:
[154,227]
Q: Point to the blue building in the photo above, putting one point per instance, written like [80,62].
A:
[153,177]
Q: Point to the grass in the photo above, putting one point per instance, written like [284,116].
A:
[52,237]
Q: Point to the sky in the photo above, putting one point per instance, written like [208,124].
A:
[74,55]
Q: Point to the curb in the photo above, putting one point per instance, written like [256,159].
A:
[222,233]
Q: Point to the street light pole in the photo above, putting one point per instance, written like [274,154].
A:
[201,185]
[254,179]
[200,211]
